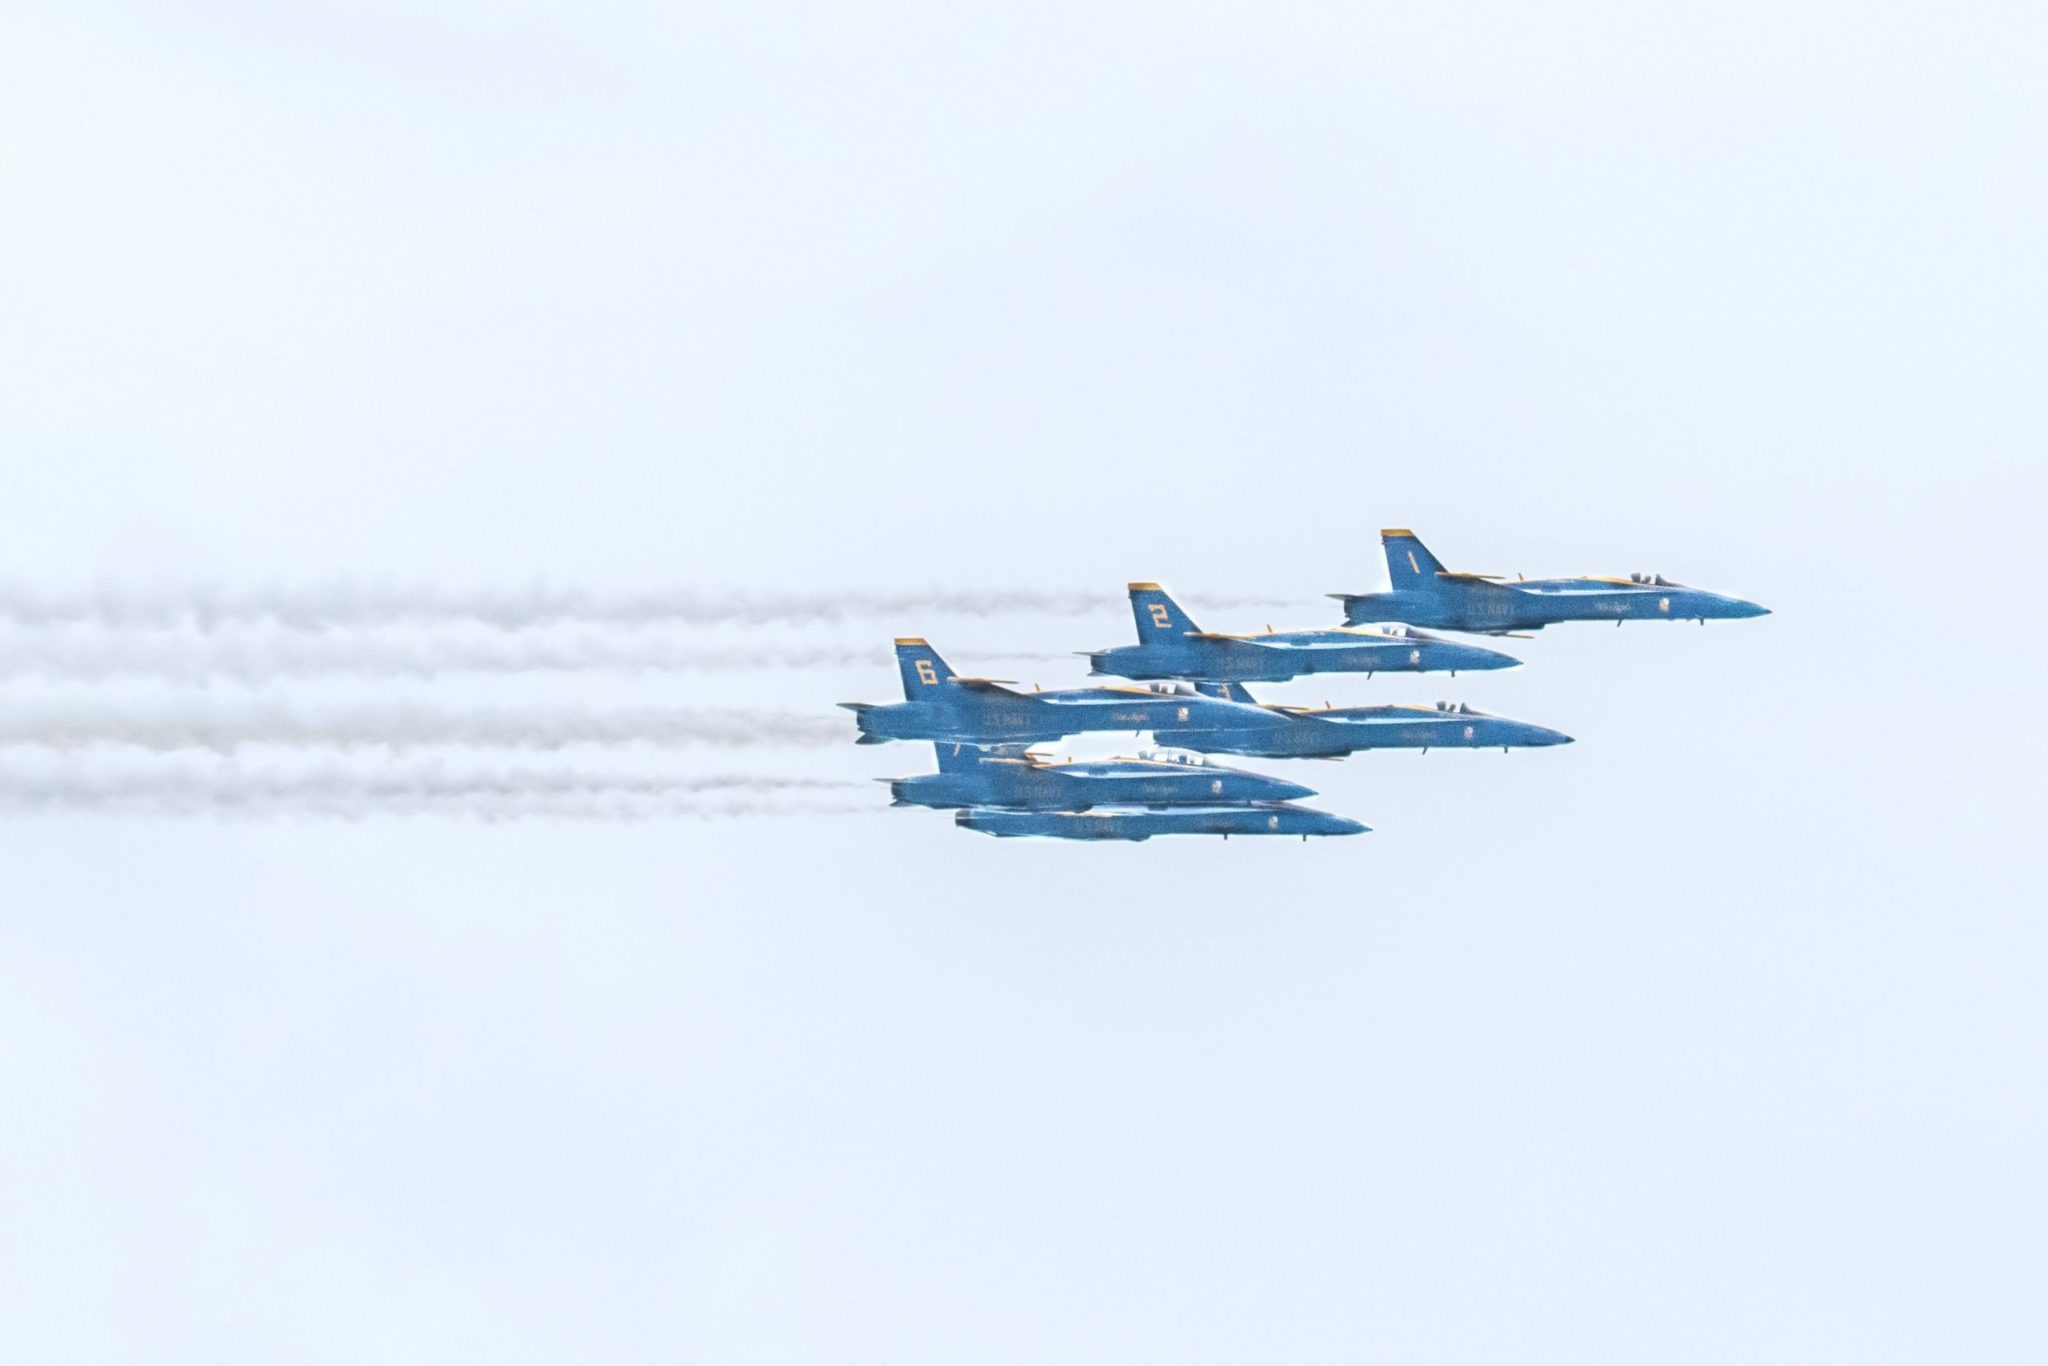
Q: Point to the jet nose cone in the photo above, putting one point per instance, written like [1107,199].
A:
[1477,657]
[1727,609]
[1530,736]
[1291,792]
[1344,825]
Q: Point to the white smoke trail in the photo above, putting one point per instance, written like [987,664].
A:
[227,727]
[225,789]
[342,605]
[257,657]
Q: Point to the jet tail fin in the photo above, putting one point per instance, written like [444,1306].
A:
[963,758]
[1159,617]
[1228,692]
[924,673]
[1409,563]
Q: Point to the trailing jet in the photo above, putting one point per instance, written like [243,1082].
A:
[1333,732]
[1427,594]
[940,705]
[1008,776]
[1170,645]
[1143,822]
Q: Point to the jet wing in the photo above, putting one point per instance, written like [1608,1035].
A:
[1093,697]
[1470,578]
[996,685]
[1348,641]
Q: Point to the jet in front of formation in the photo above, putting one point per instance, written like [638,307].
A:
[1143,822]
[1008,776]
[1424,593]
[1333,732]
[940,705]
[1170,645]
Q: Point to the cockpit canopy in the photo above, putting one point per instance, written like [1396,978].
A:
[1176,756]
[1173,688]
[1393,629]
[1651,580]
[1455,708]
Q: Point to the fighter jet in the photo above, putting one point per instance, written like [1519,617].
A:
[1143,822]
[1011,776]
[1427,594]
[940,705]
[1170,645]
[1333,732]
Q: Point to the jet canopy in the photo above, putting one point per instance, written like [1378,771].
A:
[1176,756]
[1651,580]
[1173,688]
[1455,708]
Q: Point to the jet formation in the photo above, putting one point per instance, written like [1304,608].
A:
[1187,688]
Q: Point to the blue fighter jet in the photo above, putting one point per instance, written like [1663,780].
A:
[1427,594]
[940,705]
[1143,822]
[1333,732]
[1170,645]
[1010,776]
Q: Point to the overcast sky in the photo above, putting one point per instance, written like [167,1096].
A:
[1716,1036]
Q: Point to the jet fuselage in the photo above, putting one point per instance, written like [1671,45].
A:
[1531,604]
[1282,655]
[1142,823]
[987,716]
[1024,782]
[1334,732]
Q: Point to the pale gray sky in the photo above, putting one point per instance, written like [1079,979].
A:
[1714,1037]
